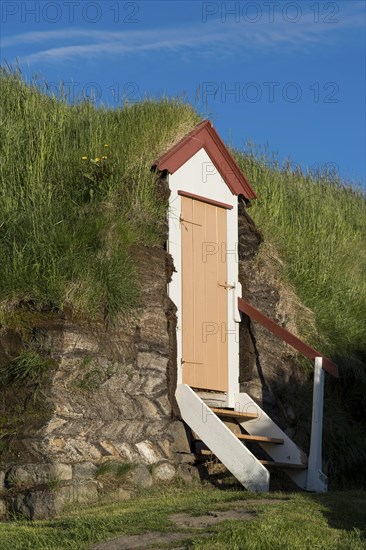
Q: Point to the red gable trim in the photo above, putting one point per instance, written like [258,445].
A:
[205,136]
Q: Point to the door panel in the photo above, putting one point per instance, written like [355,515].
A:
[204,302]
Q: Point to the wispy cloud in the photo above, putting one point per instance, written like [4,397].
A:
[205,38]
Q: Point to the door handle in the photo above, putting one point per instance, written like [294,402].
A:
[226,285]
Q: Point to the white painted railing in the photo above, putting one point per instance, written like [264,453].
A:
[316,480]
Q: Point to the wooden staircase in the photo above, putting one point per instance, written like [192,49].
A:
[232,435]
[228,416]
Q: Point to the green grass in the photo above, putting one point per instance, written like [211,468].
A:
[301,521]
[318,224]
[29,366]
[68,224]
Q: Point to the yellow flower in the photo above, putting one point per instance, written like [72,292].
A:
[106,145]
[84,158]
[97,159]
[104,157]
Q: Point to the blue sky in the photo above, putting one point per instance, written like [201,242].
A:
[289,76]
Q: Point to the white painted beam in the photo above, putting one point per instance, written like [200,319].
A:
[316,480]
[221,441]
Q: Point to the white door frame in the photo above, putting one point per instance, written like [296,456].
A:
[198,177]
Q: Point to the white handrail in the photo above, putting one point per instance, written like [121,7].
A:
[316,480]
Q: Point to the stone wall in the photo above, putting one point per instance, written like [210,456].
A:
[109,397]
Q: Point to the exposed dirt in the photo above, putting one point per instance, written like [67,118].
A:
[146,540]
[252,502]
[201,522]
[198,526]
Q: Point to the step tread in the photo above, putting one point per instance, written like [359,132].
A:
[283,465]
[233,414]
[204,453]
[260,439]
[254,438]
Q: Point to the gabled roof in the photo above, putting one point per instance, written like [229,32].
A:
[205,136]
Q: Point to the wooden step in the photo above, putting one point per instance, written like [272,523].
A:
[234,414]
[260,439]
[203,454]
[283,465]
[253,438]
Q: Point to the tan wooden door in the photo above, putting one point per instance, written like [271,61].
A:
[204,296]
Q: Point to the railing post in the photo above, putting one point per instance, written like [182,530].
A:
[316,480]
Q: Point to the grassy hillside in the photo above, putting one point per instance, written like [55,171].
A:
[76,193]
[319,226]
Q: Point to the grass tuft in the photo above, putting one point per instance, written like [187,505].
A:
[27,367]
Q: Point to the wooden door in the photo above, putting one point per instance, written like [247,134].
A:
[204,295]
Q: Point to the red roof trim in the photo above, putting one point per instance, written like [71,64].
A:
[205,136]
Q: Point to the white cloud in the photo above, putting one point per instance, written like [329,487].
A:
[208,38]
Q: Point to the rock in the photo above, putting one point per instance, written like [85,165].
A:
[2,481]
[181,442]
[148,452]
[86,492]
[18,477]
[151,361]
[184,458]
[188,474]
[3,509]
[81,492]
[84,470]
[139,477]
[62,472]
[163,471]
[38,474]
[37,504]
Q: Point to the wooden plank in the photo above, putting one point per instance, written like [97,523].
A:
[282,465]
[235,414]
[260,438]
[222,298]
[188,336]
[287,336]
[201,368]
[254,438]
[205,199]
[215,313]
